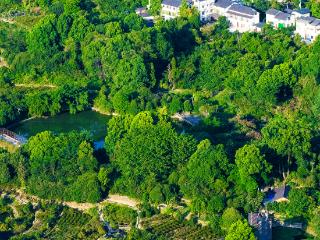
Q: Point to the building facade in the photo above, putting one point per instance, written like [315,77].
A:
[170,9]
[279,19]
[308,28]
[243,18]
[205,8]
[246,19]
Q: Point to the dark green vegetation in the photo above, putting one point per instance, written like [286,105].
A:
[258,96]
[166,227]
[117,215]
[20,221]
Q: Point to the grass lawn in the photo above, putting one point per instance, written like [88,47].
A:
[282,233]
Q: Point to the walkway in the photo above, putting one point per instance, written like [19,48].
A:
[23,197]
[115,199]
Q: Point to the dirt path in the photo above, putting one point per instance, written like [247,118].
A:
[10,21]
[23,197]
[115,199]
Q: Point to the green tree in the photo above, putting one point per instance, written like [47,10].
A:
[289,136]
[240,230]
[300,204]
[43,40]
[113,29]
[155,7]
[251,164]
[149,152]
[228,218]
[104,176]
[314,6]
[315,221]
[86,160]
[4,169]
[203,178]
[85,188]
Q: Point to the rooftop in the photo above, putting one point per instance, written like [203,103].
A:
[278,14]
[223,3]
[242,10]
[310,20]
[283,16]
[273,12]
[173,3]
[281,192]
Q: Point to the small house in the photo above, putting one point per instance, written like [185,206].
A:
[279,194]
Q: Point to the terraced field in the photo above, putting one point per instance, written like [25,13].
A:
[170,228]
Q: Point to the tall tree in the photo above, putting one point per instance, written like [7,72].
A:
[289,136]
[251,164]
[240,230]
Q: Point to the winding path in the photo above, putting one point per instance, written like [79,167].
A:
[23,197]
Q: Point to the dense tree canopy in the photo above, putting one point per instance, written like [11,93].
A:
[256,96]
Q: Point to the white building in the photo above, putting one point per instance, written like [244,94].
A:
[295,14]
[308,28]
[221,7]
[170,9]
[279,19]
[205,8]
[243,18]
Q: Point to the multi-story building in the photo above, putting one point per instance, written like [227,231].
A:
[221,7]
[243,18]
[279,19]
[295,14]
[205,8]
[308,28]
[170,9]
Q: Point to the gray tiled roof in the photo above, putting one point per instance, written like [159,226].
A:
[174,3]
[311,20]
[316,22]
[237,8]
[223,3]
[283,16]
[272,11]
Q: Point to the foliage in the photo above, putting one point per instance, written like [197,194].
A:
[62,166]
[257,94]
[240,230]
[117,215]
